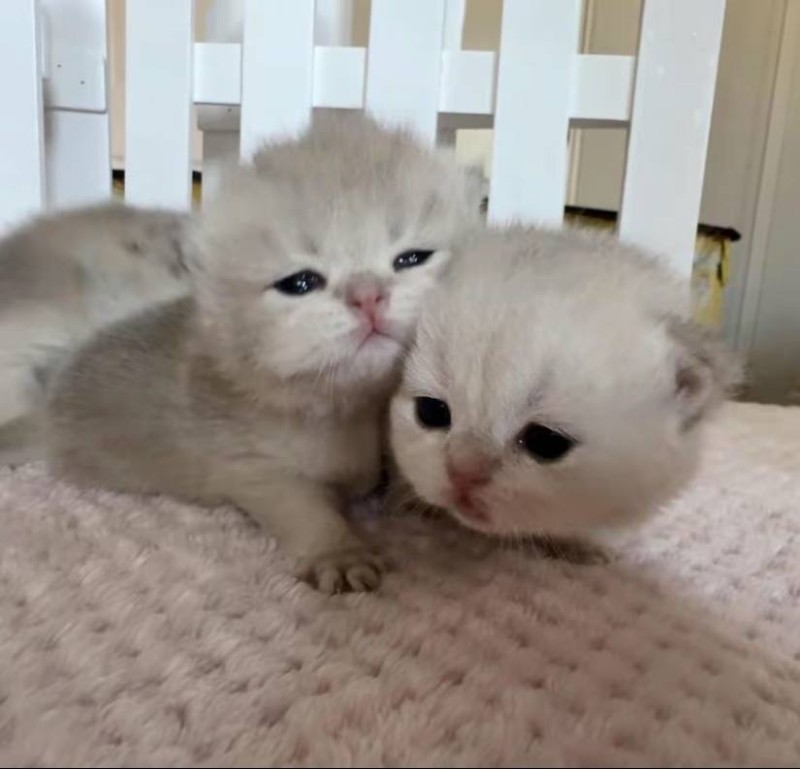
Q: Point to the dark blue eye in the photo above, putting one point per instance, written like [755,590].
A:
[433,413]
[545,445]
[412,258]
[300,283]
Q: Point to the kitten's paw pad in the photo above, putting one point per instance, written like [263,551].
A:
[355,570]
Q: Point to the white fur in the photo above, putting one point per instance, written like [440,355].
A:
[577,333]
[344,201]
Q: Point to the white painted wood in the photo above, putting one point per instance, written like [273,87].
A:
[404,63]
[454,13]
[673,98]
[21,127]
[277,70]
[78,158]
[333,24]
[78,153]
[339,77]
[76,80]
[218,73]
[768,184]
[224,21]
[468,82]
[602,89]
[159,44]
[601,92]
[538,51]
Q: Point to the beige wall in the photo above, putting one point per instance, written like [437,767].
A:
[775,351]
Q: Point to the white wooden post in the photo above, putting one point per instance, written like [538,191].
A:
[77,140]
[404,63]
[673,99]
[159,46]
[454,14]
[277,70]
[333,22]
[538,53]
[22,125]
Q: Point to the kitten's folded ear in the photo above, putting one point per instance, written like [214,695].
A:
[706,372]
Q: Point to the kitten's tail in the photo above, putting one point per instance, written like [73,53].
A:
[21,440]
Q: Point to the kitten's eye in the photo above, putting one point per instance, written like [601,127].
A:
[433,414]
[544,444]
[300,283]
[413,258]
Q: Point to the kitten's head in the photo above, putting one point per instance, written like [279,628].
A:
[312,261]
[554,386]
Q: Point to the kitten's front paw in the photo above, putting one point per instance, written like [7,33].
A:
[354,569]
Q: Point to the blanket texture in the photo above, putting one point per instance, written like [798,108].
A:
[144,632]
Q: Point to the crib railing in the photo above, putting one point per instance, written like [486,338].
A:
[414,72]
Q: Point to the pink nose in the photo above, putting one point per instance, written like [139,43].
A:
[366,298]
[469,476]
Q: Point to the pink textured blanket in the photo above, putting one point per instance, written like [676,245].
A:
[150,633]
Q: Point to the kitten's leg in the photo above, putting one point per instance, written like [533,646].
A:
[305,519]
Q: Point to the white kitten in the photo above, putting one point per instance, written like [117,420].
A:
[267,388]
[555,385]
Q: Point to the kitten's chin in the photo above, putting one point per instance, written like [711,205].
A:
[374,361]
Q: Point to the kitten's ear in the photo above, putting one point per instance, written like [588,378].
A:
[706,372]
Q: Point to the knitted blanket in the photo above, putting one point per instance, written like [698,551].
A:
[145,632]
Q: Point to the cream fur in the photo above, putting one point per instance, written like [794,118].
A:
[64,275]
[575,332]
[247,395]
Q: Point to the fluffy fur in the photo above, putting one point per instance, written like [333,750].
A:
[63,276]
[273,401]
[583,335]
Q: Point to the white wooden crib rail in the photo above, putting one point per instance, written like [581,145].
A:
[54,135]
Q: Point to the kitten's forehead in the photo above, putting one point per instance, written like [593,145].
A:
[347,198]
[513,333]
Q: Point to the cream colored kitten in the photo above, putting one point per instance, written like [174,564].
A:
[63,276]
[267,388]
[555,386]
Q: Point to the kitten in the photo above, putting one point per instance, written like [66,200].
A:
[63,276]
[267,387]
[555,386]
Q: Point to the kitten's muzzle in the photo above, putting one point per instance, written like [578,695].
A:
[469,470]
[368,297]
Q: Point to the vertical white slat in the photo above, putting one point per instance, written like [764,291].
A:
[404,63]
[334,22]
[78,144]
[22,125]
[454,13]
[159,87]
[277,70]
[538,47]
[673,99]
